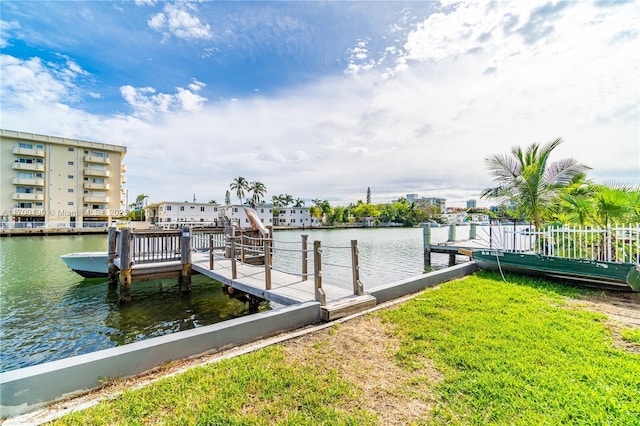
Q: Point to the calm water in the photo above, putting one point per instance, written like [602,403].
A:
[48,312]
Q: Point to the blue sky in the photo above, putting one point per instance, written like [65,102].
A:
[324,99]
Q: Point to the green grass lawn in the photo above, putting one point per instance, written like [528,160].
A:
[513,352]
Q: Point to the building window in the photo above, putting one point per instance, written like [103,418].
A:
[70,203]
[168,208]
[193,207]
[25,145]
[70,163]
[70,149]
[181,208]
[70,176]
[70,190]
[202,208]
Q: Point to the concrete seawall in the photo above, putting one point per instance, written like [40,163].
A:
[30,388]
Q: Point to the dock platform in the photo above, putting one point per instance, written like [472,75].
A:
[286,288]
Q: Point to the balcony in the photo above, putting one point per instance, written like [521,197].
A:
[96,172]
[94,199]
[123,168]
[27,151]
[96,160]
[89,185]
[20,196]
[28,181]
[34,167]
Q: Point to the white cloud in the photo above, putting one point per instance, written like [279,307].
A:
[146,103]
[6,27]
[177,21]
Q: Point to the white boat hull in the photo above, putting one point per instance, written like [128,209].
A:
[88,264]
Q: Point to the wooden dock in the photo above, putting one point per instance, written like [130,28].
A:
[286,289]
[248,274]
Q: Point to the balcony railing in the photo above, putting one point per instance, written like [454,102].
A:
[96,159]
[92,199]
[90,185]
[38,167]
[27,181]
[95,172]
[31,197]
[28,151]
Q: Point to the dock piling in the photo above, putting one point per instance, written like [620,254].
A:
[426,238]
[358,288]
[317,269]
[125,251]
[185,259]
[112,238]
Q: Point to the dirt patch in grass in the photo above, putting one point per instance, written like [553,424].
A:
[362,351]
[622,310]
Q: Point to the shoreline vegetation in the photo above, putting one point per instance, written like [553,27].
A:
[478,350]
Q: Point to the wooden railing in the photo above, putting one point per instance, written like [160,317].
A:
[128,248]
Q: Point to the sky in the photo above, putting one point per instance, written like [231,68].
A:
[322,100]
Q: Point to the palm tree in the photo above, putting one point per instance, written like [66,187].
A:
[241,186]
[258,189]
[286,199]
[299,202]
[529,179]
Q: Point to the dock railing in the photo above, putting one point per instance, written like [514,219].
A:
[128,247]
[245,246]
[617,243]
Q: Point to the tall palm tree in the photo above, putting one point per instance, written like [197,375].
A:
[286,199]
[299,202]
[241,186]
[529,179]
[258,189]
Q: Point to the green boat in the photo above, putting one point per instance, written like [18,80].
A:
[590,273]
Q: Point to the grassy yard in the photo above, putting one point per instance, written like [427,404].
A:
[474,351]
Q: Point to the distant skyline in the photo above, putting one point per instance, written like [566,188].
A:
[326,99]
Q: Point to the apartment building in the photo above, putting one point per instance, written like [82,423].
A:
[59,181]
[425,202]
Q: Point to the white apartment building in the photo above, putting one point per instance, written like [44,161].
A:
[59,181]
[167,212]
[294,216]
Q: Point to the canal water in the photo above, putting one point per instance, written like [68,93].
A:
[47,312]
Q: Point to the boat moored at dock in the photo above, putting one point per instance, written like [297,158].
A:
[92,264]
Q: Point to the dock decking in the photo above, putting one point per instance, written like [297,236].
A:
[286,289]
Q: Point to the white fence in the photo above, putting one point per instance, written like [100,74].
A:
[619,243]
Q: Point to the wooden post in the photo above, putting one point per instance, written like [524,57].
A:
[211,252]
[452,233]
[242,244]
[305,272]
[317,273]
[267,263]
[112,238]
[473,231]
[270,229]
[185,259]
[234,271]
[125,251]
[358,289]
[426,238]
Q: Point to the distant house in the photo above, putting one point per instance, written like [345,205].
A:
[295,217]
[171,212]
